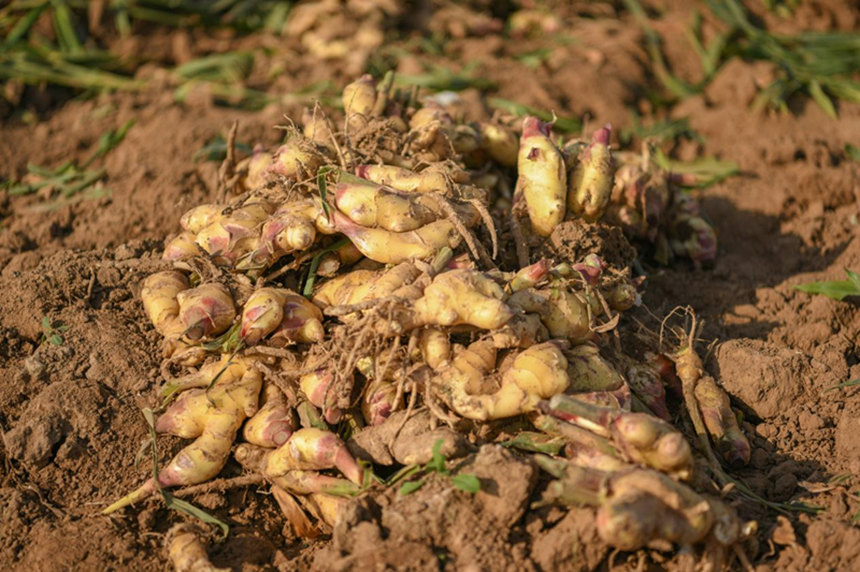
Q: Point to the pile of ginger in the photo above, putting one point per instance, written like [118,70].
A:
[401,265]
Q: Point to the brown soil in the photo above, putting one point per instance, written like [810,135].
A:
[70,413]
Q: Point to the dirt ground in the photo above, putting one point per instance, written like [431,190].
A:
[70,413]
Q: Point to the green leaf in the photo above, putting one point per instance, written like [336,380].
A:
[56,339]
[437,461]
[854,277]
[466,482]
[821,99]
[853,151]
[46,323]
[836,289]
[410,487]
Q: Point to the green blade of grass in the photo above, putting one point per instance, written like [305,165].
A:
[466,482]
[562,124]
[822,99]
[443,79]
[706,170]
[23,25]
[852,383]
[108,141]
[64,27]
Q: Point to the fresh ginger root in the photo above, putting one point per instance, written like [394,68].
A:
[463,297]
[592,178]
[536,373]
[206,310]
[316,385]
[364,285]
[293,466]
[212,417]
[273,423]
[374,206]
[182,314]
[426,181]
[588,371]
[286,315]
[187,551]
[721,422]
[566,314]
[542,177]
[642,438]
[395,247]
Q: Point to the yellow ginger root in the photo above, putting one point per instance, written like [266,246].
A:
[196,219]
[213,417]
[426,181]
[273,424]
[159,301]
[261,314]
[565,314]
[316,385]
[641,437]
[253,170]
[536,373]
[362,285]
[463,296]
[233,236]
[291,228]
[316,128]
[542,178]
[375,206]
[328,508]
[435,348]
[395,247]
[206,310]
[293,465]
[181,247]
[500,143]
[521,331]
[529,276]
[359,99]
[646,505]
[186,550]
[591,179]
[297,159]
[379,401]
[288,316]
[588,371]
[302,322]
